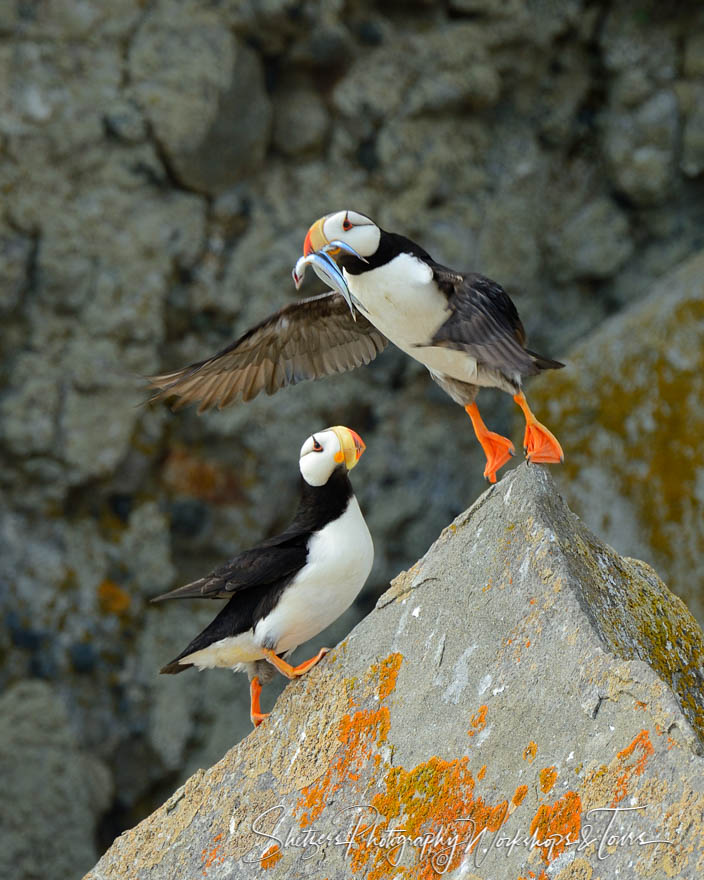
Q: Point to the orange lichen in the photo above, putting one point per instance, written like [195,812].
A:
[271,857]
[548,777]
[530,751]
[519,795]
[388,673]
[112,598]
[639,704]
[358,735]
[436,796]
[557,825]
[478,721]
[482,772]
[641,746]
[210,856]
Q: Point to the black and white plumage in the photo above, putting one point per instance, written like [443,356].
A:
[462,326]
[290,587]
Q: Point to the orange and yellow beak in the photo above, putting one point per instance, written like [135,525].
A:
[351,446]
[315,238]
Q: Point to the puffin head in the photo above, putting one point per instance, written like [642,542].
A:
[350,227]
[327,450]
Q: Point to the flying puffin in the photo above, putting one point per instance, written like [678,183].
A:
[462,326]
[289,588]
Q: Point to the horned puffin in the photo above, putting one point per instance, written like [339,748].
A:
[462,326]
[290,587]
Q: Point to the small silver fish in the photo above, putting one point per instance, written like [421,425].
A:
[327,270]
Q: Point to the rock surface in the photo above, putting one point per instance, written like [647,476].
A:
[521,676]
[629,404]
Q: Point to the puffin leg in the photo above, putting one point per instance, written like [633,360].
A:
[255,709]
[497,449]
[294,671]
[541,446]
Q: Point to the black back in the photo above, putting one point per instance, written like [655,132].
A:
[390,246]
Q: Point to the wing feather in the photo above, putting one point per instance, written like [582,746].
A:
[483,322]
[258,567]
[310,339]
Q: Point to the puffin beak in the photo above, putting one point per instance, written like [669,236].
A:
[351,446]
[315,238]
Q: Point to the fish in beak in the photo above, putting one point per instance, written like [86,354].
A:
[318,252]
[351,446]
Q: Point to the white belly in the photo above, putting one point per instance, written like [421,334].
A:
[340,558]
[402,300]
[230,653]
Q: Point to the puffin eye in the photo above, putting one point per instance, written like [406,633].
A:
[316,446]
[346,225]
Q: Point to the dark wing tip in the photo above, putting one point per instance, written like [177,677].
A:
[194,590]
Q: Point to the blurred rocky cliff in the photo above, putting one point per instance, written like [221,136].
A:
[160,163]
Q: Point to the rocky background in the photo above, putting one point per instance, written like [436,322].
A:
[160,163]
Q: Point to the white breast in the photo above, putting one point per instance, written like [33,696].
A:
[402,300]
[340,558]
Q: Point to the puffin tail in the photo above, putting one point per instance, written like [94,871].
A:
[174,668]
[544,363]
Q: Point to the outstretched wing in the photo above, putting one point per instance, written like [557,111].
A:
[483,322]
[271,562]
[309,339]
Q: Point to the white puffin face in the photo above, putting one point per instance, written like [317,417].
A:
[355,229]
[326,450]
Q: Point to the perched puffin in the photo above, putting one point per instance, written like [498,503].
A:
[289,588]
[462,326]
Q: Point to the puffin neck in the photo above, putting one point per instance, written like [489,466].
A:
[390,246]
[320,505]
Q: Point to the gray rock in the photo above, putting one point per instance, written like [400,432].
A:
[520,675]
[377,87]
[59,93]
[15,254]
[627,407]
[273,24]
[301,120]
[694,54]
[491,8]
[66,20]
[53,792]
[210,112]
[631,38]
[29,408]
[593,243]
[640,148]
[691,97]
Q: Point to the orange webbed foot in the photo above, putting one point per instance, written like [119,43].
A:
[255,710]
[540,445]
[498,449]
[294,671]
